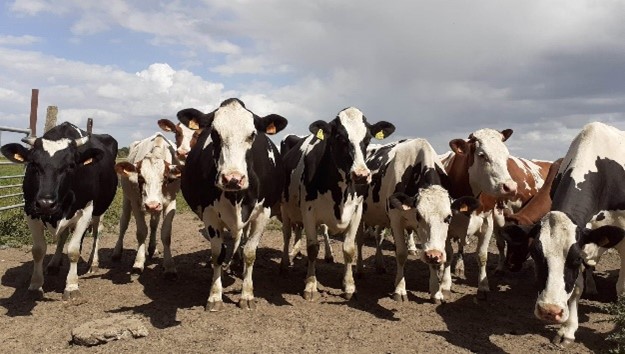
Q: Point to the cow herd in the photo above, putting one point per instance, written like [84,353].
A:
[564,214]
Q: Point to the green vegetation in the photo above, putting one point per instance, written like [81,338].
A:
[617,310]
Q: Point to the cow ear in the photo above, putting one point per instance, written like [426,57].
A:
[320,129]
[459,146]
[89,156]
[605,236]
[125,168]
[506,134]
[167,125]
[465,205]
[194,119]
[401,201]
[381,130]
[270,124]
[15,153]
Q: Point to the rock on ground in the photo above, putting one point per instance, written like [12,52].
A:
[105,330]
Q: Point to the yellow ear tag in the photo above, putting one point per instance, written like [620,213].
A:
[18,157]
[320,134]
[193,125]
[271,129]
[463,208]
[88,161]
[379,135]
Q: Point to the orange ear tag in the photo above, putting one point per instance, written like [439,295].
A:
[18,157]
[271,129]
[88,161]
[193,125]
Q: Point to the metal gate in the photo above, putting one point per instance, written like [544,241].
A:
[10,183]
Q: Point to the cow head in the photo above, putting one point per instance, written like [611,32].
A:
[346,138]
[50,169]
[233,129]
[186,137]
[151,176]
[518,239]
[594,242]
[487,161]
[557,260]
[429,213]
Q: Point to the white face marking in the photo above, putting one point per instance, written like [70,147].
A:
[557,235]
[153,173]
[352,119]
[272,158]
[434,207]
[598,141]
[235,126]
[187,135]
[490,166]
[53,146]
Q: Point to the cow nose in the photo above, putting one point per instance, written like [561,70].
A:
[232,181]
[361,176]
[182,154]
[508,187]
[46,204]
[550,312]
[433,256]
[153,206]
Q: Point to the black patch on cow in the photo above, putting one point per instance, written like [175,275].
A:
[211,232]
[517,238]
[571,267]
[606,236]
[222,254]
[540,265]
[600,217]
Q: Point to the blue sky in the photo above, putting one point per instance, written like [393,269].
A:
[436,69]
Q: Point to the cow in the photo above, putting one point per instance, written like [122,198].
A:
[150,180]
[409,192]
[288,142]
[186,137]
[69,183]
[232,179]
[325,176]
[482,166]
[588,188]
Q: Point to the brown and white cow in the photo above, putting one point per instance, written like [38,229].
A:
[150,181]
[482,166]
[186,137]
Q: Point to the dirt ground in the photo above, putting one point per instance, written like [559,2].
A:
[173,310]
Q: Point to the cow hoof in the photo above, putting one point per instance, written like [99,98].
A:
[94,269]
[561,341]
[71,295]
[446,294]
[214,306]
[116,257]
[137,270]
[152,253]
[482,295]
[311,295]
[171,275]
[329,259]
[436,301]
[52,270]
[400,297]
[36,294]
[412,252]
[247,304]
[349,296]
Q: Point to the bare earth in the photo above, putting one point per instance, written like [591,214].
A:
[173,310]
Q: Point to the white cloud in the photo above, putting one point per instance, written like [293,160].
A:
[18,40]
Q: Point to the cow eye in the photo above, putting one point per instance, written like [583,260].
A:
[251,137]
[482,156]
[448,219]
[140,179]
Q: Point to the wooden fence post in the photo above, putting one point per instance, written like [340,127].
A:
[51,114]
[34,103]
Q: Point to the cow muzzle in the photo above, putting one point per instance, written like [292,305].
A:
[433,257]
[361,176]
[233,182]
[153,207]
[508,188]
[182,154]
[46,206]
[550,313]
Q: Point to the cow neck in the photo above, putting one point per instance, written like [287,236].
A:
[458,171]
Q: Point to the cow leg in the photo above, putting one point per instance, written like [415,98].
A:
[349,254]
[328,254]
[360,240]
[249,256]
[168,219]
[54,265]
[154,220]
[380,267]
[436,277]
[72,291]
[445,280]
[412,247]
[39,251]
[457,263]
[482,258]
[312,250]
[124,220]
[142,232]
[590,288]
[286,237]
[212,223]
[566,333]
[620,283]
[94,260]
[401,254]
[501,249]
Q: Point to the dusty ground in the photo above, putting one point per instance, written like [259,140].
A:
[283,322]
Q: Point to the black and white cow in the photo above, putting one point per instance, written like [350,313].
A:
[324,173]
[233,178]
[409,192]
[150,180]
[589,187]
[69,183]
